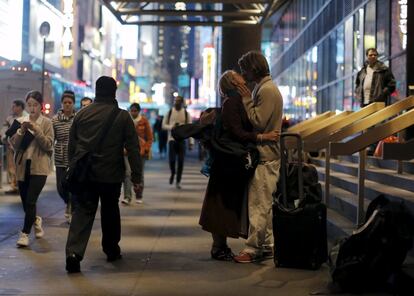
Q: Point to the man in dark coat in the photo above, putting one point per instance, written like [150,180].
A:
[375,81]
[106,174]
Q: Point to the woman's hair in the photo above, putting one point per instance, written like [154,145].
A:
[68,94]
[36,95]
[225,83]
[136,106]
[255,62]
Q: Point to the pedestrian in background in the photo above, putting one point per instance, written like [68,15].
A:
[17,111]
[162,136]
[106,173]
[62,122]
[86,101]
[177,115]
[144,133]
[33,143]
[264,107]
[375,81]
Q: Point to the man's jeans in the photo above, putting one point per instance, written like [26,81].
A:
[261,189]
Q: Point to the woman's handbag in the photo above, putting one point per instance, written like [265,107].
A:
[76,176]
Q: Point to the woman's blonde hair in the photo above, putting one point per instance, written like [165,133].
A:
[225,83]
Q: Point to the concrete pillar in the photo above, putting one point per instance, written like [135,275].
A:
[235,42]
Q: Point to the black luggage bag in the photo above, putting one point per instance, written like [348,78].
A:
[300,233]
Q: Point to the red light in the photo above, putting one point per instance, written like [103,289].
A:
[47,106]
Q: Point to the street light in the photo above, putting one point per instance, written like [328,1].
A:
[44,32]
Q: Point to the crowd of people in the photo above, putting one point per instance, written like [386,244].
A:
[242,145]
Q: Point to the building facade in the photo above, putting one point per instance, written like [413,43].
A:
[317,47]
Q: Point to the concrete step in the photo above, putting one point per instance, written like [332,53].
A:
[372,189]
[344,202]
[338,226]
[381,175]
[408,166]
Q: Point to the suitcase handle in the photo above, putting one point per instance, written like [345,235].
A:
[283,164]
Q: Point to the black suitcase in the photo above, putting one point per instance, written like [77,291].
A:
[300,233]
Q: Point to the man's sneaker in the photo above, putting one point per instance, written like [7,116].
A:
[267,253]
[171,179]
[139,201]
[178,185]
[125,201]
[38,227]
[244,257]
[23,240]
[72,263]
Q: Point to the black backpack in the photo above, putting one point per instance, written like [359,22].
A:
[366,260]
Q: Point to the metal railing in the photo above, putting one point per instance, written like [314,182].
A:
[320,139]
[297,128]
[373,130]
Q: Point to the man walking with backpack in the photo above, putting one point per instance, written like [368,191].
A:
[176,149]
[91,133]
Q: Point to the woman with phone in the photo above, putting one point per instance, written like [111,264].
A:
[33,162]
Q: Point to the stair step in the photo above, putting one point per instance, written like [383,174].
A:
[344,202]
[372,189]
[338,226]
[408,166]
[381,175]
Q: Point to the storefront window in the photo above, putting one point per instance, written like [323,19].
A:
[369,36]
[349,45]
[383,27]
[339,58]
[358,33]
[348,91]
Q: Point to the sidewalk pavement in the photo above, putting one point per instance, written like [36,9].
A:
[165,252]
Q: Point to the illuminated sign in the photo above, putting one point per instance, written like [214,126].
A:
[67,38]
[11,19]
[403,22]
[209,71]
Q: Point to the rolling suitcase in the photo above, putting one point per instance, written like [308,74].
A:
[300,233]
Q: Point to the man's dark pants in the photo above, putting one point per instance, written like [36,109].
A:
[83,217]
[176,149]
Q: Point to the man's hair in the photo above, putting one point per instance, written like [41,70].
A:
[255,62]
[19,103]
[136,106]
[371,49]
[86,99]
[68,94]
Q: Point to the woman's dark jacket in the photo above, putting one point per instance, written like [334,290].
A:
[224,209]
